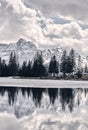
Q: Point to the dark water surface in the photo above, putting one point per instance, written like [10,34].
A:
[66,95]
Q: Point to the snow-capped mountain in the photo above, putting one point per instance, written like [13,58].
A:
[26,50]
[23,49]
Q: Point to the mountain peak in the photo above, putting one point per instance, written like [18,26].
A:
[25,43]
[21,40]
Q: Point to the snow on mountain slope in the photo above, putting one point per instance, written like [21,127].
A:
[26,50]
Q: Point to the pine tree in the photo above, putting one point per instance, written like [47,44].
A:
[13,68]
[35,68]
[69,65]
[4,69]
[50,66]
[67,62]
[63,65]
[79,67]
[29,67]
[38,68]
[72,60]
[86,68]
[53,66]
[23,70]
[0,67]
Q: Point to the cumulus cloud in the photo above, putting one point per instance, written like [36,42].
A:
[68,30]
[76,9]
[18,18]
[10,122]
[69,35]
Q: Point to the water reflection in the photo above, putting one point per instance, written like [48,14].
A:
[66,95]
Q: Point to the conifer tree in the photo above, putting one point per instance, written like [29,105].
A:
[23,70]
[0,67]
[72,60]
[53,66]
[13,68]
[63,65]
[4,69]
[29,69]
[69,68]
[86,68]
[38,68]
[79,67]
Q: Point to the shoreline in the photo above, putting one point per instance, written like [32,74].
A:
[42,83]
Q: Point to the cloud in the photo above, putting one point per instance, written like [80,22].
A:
[68,30]
[69,35]
[19,21]
[76,9]
[9,122]
[13,18]
[18,18]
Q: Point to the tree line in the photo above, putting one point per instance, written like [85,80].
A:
[37,68]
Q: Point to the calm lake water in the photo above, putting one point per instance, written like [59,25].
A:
[65,96]
[24,108]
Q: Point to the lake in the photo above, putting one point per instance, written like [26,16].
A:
[28,104]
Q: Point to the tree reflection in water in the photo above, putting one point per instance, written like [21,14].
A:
[66,95]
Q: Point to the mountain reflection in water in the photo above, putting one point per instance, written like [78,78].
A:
[65,95]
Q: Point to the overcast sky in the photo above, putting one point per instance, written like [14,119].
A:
[45,22]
